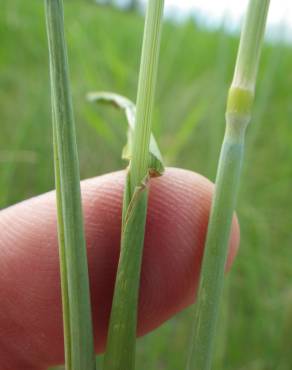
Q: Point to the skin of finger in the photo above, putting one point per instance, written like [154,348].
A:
[30,316]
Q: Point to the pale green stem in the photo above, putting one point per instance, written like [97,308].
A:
[250,45]
[238,114]
[146,91]
[121,341]
[79,349]
[62,257]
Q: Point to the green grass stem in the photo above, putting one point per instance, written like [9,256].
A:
[238,115]
[146,92]
[121,341]
[250,46]
[78,335]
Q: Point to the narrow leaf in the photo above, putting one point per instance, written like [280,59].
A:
[78,334]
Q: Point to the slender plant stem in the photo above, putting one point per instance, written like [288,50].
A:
[250,46]
[146,92]
[120,351]
[78,335]
[238,114]
[62,257]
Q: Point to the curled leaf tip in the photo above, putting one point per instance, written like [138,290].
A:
[156,167]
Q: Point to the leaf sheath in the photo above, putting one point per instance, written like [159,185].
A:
[238,114]
[120,351]
[78,336]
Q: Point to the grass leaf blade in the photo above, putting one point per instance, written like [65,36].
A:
[79,351]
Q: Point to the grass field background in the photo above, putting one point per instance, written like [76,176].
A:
[195,71]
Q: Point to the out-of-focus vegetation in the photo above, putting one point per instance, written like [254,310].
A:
[126,4]
[195,71]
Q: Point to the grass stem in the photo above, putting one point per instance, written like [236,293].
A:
[238,115]
[78,335]
[120,351]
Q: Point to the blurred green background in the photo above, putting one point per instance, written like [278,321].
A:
[195,71]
